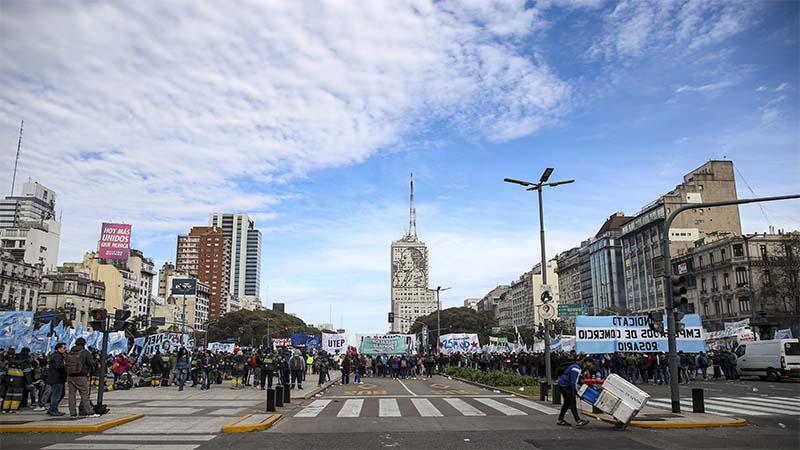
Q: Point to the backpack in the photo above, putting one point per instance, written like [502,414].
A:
[296,363]
[72,363]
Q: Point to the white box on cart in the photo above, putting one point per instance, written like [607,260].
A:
[624,412]
[627,392]
[607,402]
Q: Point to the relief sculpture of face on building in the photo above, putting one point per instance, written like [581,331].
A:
[408,266]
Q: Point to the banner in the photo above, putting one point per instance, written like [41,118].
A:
[609,334]
[738,324]
[281,342]
[409,346]
[459,342]
[334,343]
[783,334]
[384,345]
[16,329]
[312,343]
[115,241]
[221,347]
[498,340]
[164,343]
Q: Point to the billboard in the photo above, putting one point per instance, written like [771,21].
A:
[184,286]
[115,241]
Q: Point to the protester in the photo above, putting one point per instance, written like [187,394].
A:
[78,364]
[569,384]
[182,367]
[56,378]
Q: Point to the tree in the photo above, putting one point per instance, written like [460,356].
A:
[250,327]
[458,320]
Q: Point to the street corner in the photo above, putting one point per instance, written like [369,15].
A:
[87,425]
[251,422]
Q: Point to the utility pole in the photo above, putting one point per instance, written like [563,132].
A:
[669,306]
[538,187]
[183,316]
[438,315]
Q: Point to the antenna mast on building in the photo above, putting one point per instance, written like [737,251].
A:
[412,213]
[16,161]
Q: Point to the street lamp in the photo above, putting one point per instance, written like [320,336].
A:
[269,319]
[538,187]
[438,315]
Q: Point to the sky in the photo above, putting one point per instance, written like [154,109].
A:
[310,116]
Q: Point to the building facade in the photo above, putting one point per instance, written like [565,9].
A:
[641,237]
[471,303]
[63,288]
[607,272]
[411,297]
[37,204]
[245,252]
[193,308]
[128,283]
[28,226]
[526,294]
[755,277]
[205,253]
[569,275]
[19,284]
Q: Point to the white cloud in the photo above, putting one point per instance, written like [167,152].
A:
[637,28]
[782,87]
[157,114]
[710,87]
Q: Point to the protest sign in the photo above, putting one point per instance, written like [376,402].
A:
[384,345]
[334,343]
[459,342]
[609,334]
[221,347]
[409,342]
[281,342]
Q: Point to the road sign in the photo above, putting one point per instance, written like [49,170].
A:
[547,311]
[570,309]
[47,316]
[158,321]
[495,330]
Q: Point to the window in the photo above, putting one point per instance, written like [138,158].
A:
[737,250]
[699,262]
[726,280]
[711,258]
[744,304]
[741,277]
[702,285]
[717,310]
[722,254]
[767,277]
[740,350]
[714,286]
[763,250]
[728,305]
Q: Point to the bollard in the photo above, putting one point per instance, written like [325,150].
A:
[698,403]
[556,394]
[270,400]
[278,395]
[543,388]
[287,395]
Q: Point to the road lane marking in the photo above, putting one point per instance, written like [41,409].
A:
[425,407]
[388,408]
[147,437]
[791,404]
[463,407]
[425,396]
[351,408]
[313,409]
[503,408]
[406,387]
[121,446]
[533,405]
[765,408]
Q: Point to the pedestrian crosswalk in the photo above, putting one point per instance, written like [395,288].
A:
[134,442]
[424,407]
[739,406]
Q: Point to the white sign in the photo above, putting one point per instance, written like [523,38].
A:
[739,324]
[334,343]
[221,347]
[411,339]
[547,311]
[459,342]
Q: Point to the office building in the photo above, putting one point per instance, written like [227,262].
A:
[244,275]
[205,253]
[607,274]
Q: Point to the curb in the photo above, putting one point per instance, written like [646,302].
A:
[319,389]
[25,428]
[263,425]
[676,425]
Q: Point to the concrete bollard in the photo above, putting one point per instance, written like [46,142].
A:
[270,400]
[278,395]
[698,402]
[543,388]
[287,395]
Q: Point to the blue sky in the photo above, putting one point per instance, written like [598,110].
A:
[310,117]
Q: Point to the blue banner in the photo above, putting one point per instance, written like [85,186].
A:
[299,339]
[609,334]
[312,342]
[16,329]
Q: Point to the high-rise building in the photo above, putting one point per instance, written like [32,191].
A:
[607,274]
[29,230]
[410,296]
[569,275]
[205,254]
[641,237]
[36,205]
[245,253]
[526,294]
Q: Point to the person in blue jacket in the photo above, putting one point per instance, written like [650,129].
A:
[568,382]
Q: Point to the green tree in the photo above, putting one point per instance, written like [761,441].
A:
[250,327]
[458,320]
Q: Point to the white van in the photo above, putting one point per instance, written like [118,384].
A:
[773,359]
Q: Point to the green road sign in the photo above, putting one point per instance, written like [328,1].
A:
[570,309]
[495,330]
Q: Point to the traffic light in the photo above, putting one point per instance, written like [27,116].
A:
[72,313]
[120,316]
[656,321]
[679,300]
[391,317]
[98,322]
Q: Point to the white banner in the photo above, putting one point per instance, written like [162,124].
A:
[459,342]
[221,347]
[783,334]
[738,324]
[335,344]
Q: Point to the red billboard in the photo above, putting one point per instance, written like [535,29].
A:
[115,241]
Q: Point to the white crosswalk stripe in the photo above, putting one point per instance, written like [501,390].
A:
[464,407]
[387,407]
[134,442]
[425,407]
[351,408]
[740,406]
[313,409]
[533,405]
[502,407]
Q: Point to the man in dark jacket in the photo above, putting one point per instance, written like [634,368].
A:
[569,384]
[56,377]
[78,378]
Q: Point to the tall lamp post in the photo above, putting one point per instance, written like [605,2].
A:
[438,316]
[538,187]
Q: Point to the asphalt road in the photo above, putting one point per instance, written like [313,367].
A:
[416,414]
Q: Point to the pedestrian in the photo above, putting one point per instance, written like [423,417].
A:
[322,368]
[702,364]
[156,367]
[182,366]
[56,378]
[78,364]
[346,369]
[297,366]
[568,383]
